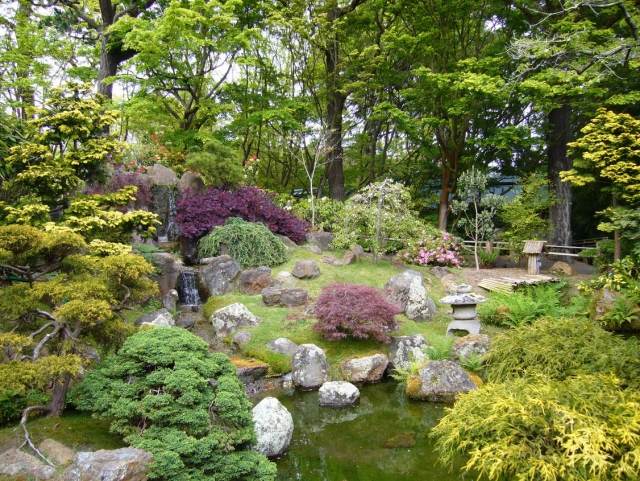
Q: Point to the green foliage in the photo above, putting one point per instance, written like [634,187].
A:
[384,204]
[476,207]
[473,363]
[558,348]
[166,393]
[488,257]
[623,313]
[218,164]
[524,216]
[329,212]
[251,244]
[536,429]
[12,404]
[439,348]
[512,309]
[623,274]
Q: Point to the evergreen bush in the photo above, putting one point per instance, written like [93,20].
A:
[251,244]
[349,310]
[166,393]
[554,348]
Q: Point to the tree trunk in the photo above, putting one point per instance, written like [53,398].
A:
[59,396]
[108,68]
[558,132]
[443,209]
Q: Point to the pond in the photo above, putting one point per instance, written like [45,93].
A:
[384,438]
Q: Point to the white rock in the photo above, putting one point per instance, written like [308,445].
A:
[227,320]
[309,367]
[159,318]
[273,426]
[338,394]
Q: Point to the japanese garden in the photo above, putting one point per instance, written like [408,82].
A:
[319,240]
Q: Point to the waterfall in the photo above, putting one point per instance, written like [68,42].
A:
[188,288]
[171,226]
[164,201]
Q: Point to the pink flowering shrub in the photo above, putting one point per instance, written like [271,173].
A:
[438,250]
[360,312]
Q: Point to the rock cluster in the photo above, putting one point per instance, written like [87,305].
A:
[284,296]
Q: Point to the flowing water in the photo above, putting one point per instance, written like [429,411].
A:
[188,288]
[384,438]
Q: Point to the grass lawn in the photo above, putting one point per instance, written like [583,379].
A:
[297,325]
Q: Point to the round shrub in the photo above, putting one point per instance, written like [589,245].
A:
[560,348]
[360,312]
[583,428]
[251,244]
[166,393]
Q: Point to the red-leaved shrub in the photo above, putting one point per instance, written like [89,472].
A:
[199,212]
[350,310]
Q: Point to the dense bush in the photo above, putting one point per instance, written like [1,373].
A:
[584,428]
[399,225]
[511,309]
[436,249]
[559,348]
[199,212]
[166,393]
[249,243]
[217,163]
[123,178]
[329,212]
[360,312]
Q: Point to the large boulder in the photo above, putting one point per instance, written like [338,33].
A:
[56,452]
[471,345]
[320,239]
[407,291]
[309,367]
[124,464]
[285,279]
[439,381]
[280,296]
[306,269]
[161,175]
[191,182]
[249,370]
[406,349]
[365,369]
[229,319]
[22,465]
[218,275]
[337,394]
[282,345]
[273,426]
[353,255]
[563,268]
[168,268]
[252,281]
[170,300]
[160,318]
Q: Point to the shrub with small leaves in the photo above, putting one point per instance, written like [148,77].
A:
[360,312]
[166,393]
[583,428]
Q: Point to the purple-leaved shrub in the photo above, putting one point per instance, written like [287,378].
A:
[350,310]
[198,213]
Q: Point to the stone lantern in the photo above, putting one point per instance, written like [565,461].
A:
[463,303]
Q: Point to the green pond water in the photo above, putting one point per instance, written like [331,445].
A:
[384,438]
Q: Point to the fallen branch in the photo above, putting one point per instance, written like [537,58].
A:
[27,437]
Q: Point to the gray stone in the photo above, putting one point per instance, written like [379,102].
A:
[252,281]
[24,466]
[161,175]
[230,318]
[219,274]
[187,318]
[314,248]
[282,345]
[56,452]
[293,297]
[250,370]
[368,369]
[355,254]
[287,382]
[190,181]
[289,244]
[273,425]
[320,239]
[306,270]
[271,295]
[159,318]
[406,349]
[407,291]
[168,269]
[124,464]
[241,338]
[338,394]
[285,279]
[439,381]
[477,345]
[309,367]
[170,300]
